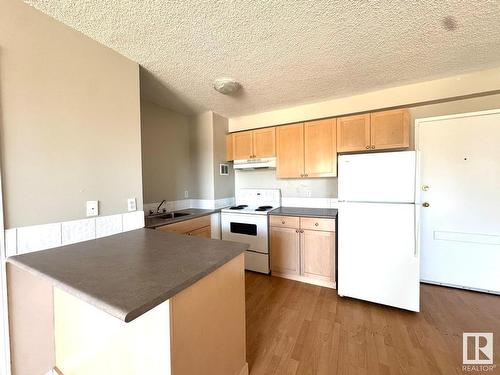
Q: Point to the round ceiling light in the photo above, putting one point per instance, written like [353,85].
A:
[226,86]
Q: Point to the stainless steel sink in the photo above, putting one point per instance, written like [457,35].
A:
[167,215]
[172,215]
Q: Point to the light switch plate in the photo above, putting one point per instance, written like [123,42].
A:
[92,208]
[131,204]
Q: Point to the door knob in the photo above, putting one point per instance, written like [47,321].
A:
[425,204]
[425,187]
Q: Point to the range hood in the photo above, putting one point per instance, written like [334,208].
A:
[257,163]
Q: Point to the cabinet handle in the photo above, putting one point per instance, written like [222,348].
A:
[373,147]
[282,221]
[316,224]
[367,147]
[301,231]
[296,231]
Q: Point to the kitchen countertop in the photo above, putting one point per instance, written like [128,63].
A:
[193,213]
[130,273]
[305,212]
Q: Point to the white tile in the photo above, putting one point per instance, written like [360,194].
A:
[108,225]
[38,237]
[77,231]
[334,203]
[224,202]
[182,204]
[133,220]
[203,203]
[305,202]
[10,242]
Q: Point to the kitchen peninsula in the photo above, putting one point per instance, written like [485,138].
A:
[142,301]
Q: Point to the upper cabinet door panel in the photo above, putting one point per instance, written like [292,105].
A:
[290,151]
[353,133]
[229,147]
[264,142]
[390,129]
[320,148]
[242,145]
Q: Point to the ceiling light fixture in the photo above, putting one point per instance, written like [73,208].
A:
[226,86]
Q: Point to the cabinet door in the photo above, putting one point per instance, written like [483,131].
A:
[318,254]
[202,232]
[353,133]
[390,129]
[229,147]
[290,151]
[264,142]
[284,250]
[320,148]
[242,145]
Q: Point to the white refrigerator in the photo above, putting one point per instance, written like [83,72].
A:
[378,253]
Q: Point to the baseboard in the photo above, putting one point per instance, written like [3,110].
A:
[307,280]
[459,287]
[244,370]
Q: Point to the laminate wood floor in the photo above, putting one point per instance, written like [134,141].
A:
[296,328]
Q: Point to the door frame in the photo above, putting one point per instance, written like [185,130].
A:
[418,201]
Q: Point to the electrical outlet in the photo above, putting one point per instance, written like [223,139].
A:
[186,193]
[92,208]
[131,204]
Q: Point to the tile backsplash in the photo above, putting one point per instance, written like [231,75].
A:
[41,237]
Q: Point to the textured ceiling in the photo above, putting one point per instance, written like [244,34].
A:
[285,52]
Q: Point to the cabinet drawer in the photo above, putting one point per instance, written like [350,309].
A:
[312,223]
[284,221]
[187,225]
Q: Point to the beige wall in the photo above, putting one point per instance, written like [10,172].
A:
[166,169]
[412,94]
[201,149]
[327,187]
[70,121]
[223,185]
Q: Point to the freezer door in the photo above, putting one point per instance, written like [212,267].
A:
[379,177]
[378,258]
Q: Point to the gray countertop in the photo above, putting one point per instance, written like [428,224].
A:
[153,222]
[305,212]
[130,273]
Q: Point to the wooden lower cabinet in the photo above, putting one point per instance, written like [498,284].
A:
[202,232]
[199,226]
[318,254]
[303,249]
[285,256]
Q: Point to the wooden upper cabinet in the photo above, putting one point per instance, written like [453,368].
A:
[264,143]
[390,129]
[320,148]
[290,151]
[260,143]
[242,145]
[353,133]
[229,147]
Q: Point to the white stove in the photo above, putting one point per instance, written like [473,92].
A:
[247,222]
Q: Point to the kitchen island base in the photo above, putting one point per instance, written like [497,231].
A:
[201,329]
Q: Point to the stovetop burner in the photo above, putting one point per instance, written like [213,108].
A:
[240,207]
[263,208]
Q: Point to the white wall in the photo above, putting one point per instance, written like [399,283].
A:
[327,187]
[414,94]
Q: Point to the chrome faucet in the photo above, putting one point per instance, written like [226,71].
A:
[161,203]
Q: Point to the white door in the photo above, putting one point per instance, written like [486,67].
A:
[460,176]
[378,259]
[378,177]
